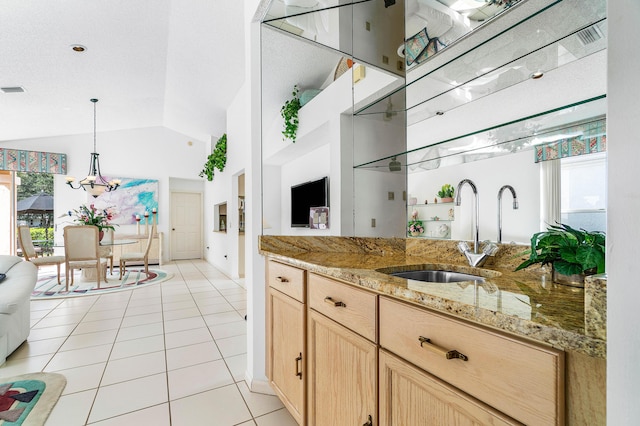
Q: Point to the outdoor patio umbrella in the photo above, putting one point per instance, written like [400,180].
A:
[37,204]
[41,204]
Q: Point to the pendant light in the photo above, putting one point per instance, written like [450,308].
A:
[94,183]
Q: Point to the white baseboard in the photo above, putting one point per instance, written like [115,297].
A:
[258,386]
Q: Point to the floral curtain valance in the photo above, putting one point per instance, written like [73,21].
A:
[592,139]
[33,161]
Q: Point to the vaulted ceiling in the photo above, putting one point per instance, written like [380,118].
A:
[171,63]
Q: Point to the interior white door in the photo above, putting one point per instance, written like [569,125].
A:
[186,225]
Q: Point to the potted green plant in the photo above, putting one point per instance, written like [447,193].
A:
[289,112]
[446,193]
[572,253]
[216,160]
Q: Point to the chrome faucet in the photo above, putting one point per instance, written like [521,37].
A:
[474,258]
[475,208]
[515,207]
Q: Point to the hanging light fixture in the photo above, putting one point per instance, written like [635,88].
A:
[94,183]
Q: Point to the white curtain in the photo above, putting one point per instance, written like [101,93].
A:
[550,193]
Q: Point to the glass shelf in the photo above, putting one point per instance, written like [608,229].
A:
[429,237]
[515,136]
[279,10]
[564,32]
[320,20]
[430,204]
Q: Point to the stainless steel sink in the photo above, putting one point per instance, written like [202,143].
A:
[436,276]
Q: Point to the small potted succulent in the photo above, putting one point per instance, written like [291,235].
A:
[572,253]
[446,193]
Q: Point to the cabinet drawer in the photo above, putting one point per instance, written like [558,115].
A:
[520,379]
[353,308]
[287,279]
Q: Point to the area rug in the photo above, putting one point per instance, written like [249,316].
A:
[28,399]
[47,286]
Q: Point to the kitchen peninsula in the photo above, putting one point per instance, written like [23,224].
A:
[559,337]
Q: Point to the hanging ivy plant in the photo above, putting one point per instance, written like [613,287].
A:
[217,159]
[289,112]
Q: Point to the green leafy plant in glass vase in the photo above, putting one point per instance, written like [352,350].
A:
[216,160]
[289,112]
[572,253]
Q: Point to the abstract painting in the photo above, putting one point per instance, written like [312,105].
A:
[133,197]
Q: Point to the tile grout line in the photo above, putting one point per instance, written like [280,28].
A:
[106,365]
[197,271]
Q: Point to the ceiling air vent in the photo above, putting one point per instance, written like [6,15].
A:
[16,89]
[589,35]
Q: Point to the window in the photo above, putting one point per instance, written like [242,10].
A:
[583,192]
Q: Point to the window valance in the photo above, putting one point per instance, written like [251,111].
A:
[33,161]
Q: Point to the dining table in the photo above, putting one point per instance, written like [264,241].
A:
[89,274]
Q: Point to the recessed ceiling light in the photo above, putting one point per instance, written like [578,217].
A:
[78,48]
[536,75]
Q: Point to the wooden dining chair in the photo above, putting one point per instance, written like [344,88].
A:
[31,255]
[82,251]
[138,257]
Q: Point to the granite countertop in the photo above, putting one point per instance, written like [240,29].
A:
[525,303]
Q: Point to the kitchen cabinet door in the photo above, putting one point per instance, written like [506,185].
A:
[286,351]
[342,375]
[410,396]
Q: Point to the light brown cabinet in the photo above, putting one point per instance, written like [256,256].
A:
[343,355]
[410,396]
[342,375]
[286,336]
[369,359]
[521,379]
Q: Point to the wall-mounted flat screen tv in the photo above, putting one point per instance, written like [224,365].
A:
[305,196]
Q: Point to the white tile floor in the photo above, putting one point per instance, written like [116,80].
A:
[169,354]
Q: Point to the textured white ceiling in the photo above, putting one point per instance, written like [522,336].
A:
[172,63]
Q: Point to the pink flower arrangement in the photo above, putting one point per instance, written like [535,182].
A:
[415,226]
[92,216]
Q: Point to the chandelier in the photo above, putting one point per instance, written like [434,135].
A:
[94,183]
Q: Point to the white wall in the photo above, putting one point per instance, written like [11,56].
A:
[153,153]
[517,170]
[223,246]
[254,268]
[272,200]
[371,201]
[312,166]
[317,153]
[623,232]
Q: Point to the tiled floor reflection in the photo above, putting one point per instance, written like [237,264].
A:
[171,354]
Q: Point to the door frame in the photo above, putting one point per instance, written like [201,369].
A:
[10,180]
[171,218]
